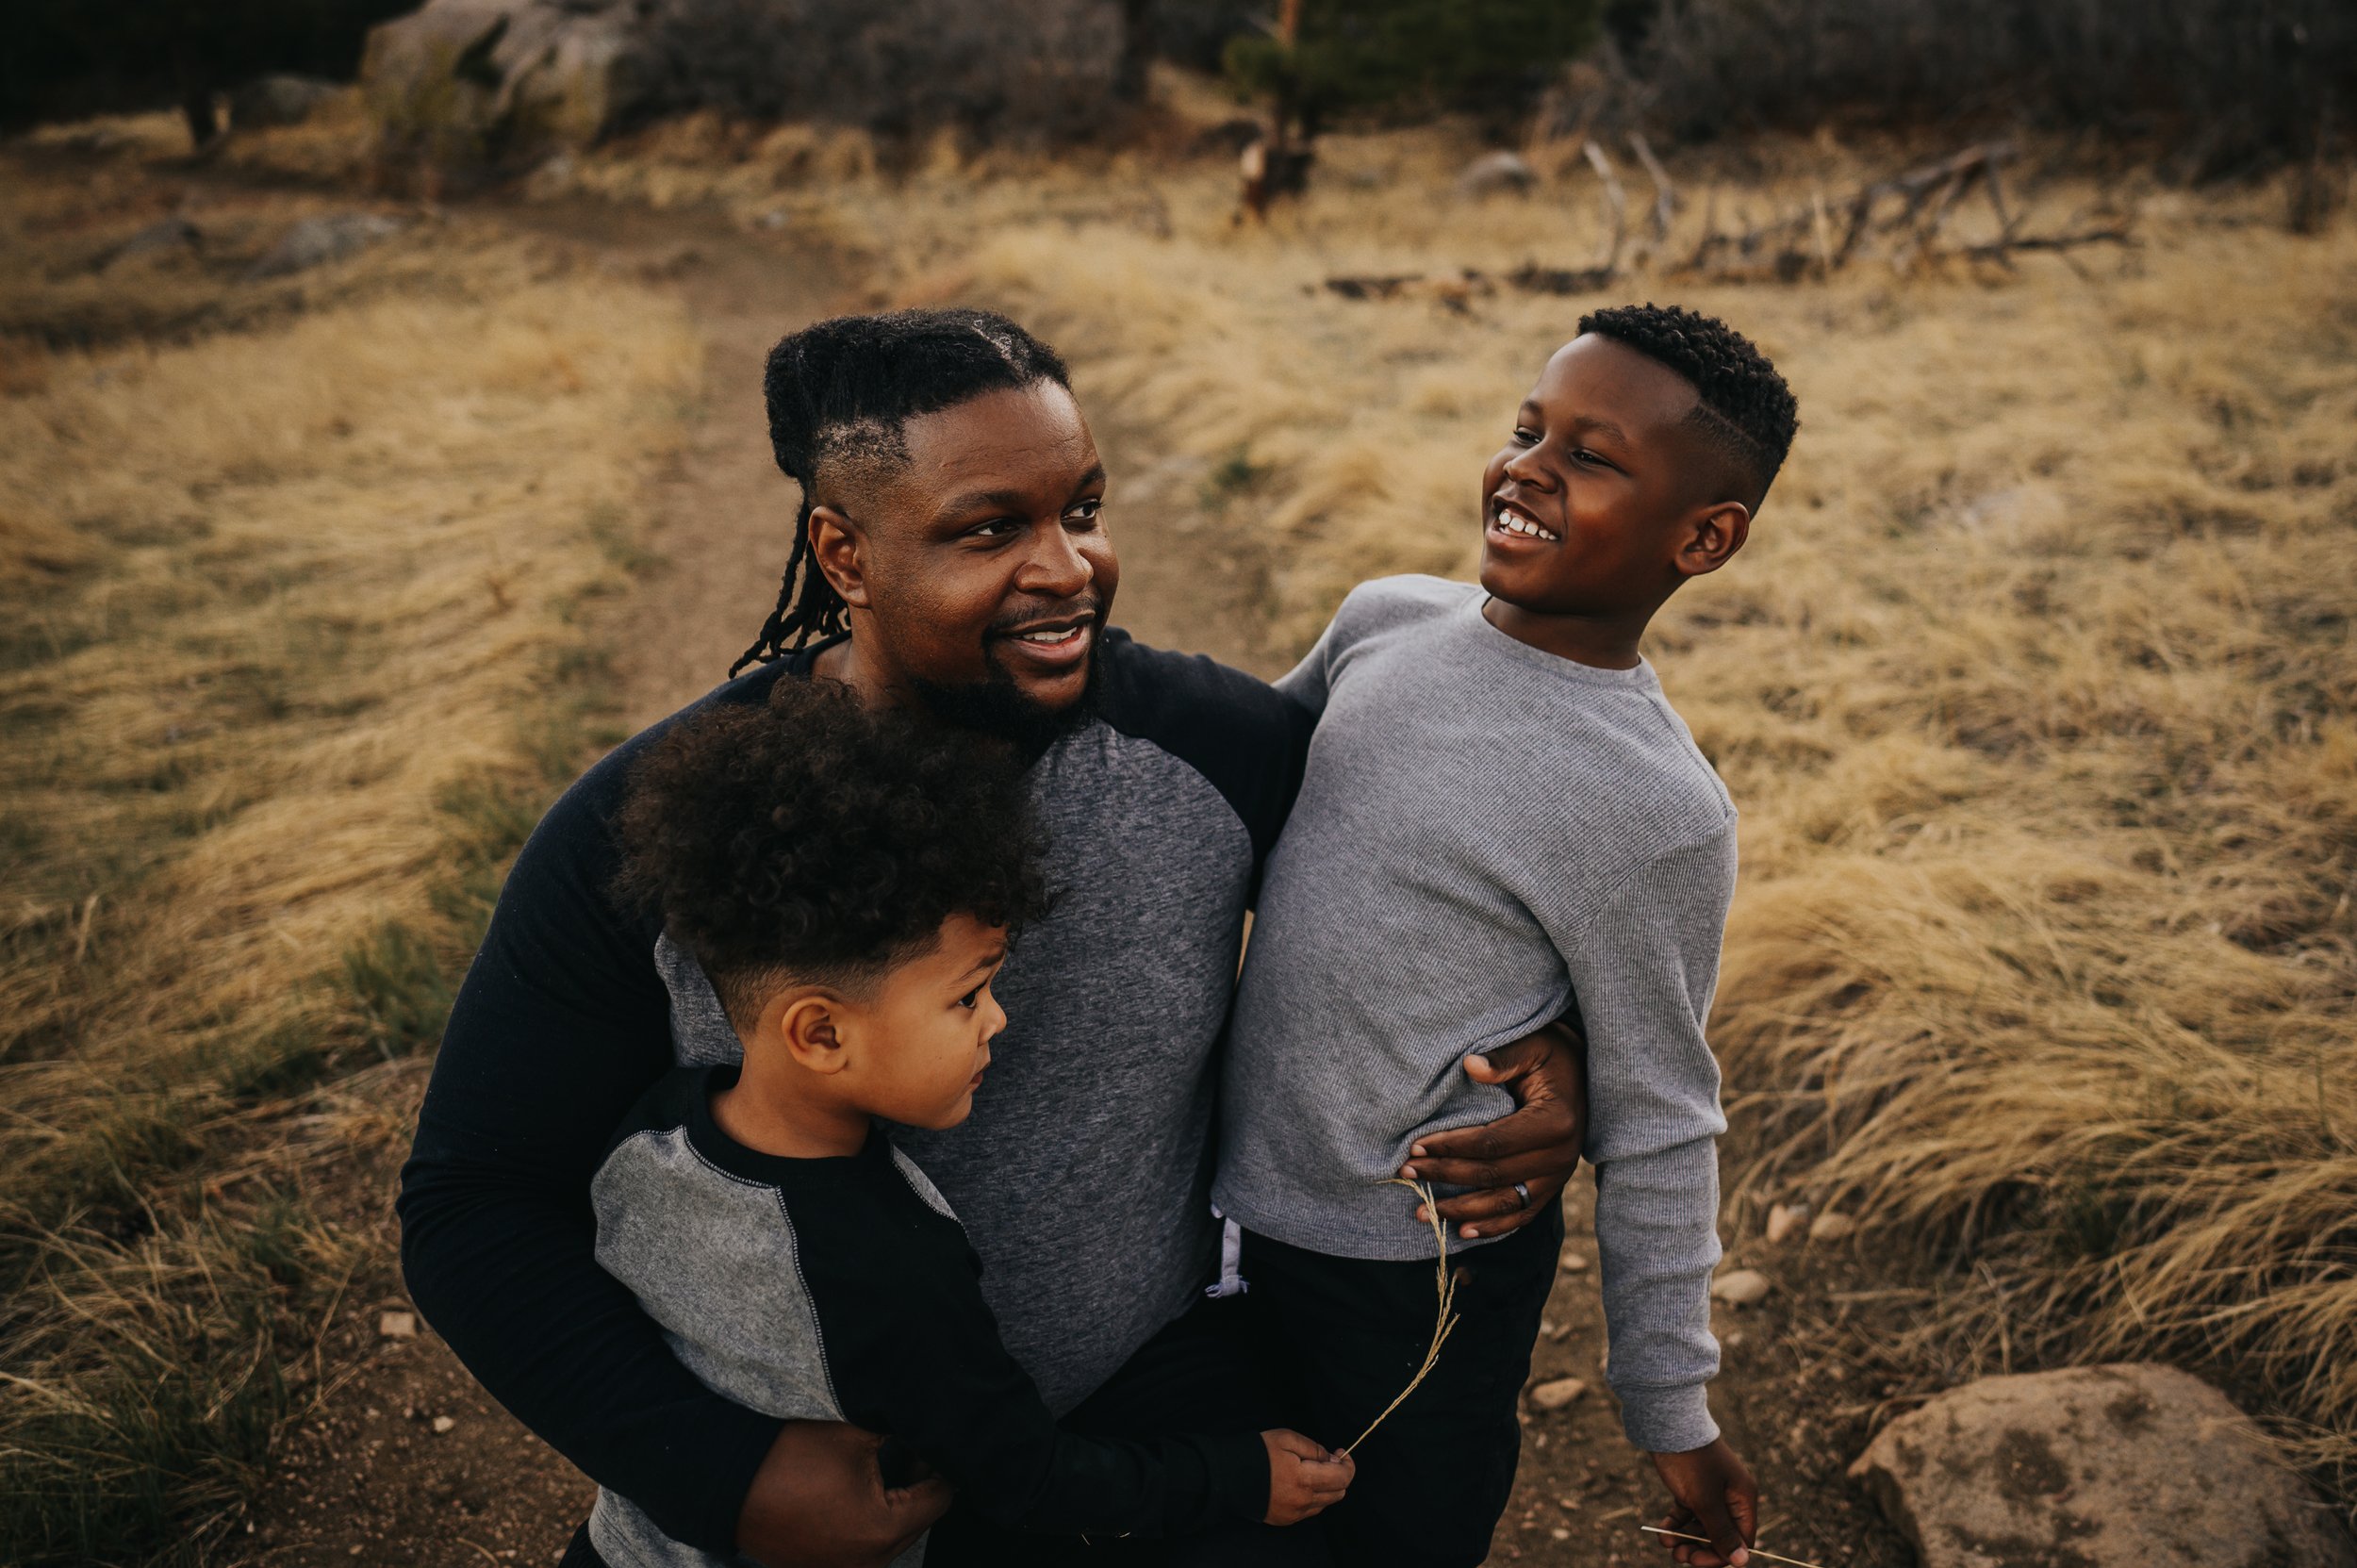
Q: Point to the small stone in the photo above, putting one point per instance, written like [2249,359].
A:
[1560,1533]
[443,1423]
[316,241]
[396,1326]
[1573,1261]
[1830,1226]
[1783,1219]
[1741,1287]
[1556,1393]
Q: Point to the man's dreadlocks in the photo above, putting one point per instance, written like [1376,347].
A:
[843,390]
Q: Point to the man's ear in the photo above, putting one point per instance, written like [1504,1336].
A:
[1711,537]
[809,1024]
[835,544]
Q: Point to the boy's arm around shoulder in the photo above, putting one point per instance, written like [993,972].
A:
[929,1358]
[561,1023]
[1643,967]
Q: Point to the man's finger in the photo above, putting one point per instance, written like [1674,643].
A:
[1541,1165]
[1491,1213]
[915,1509]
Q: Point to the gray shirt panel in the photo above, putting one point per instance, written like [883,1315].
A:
[1082,1175]
[712,1259]
[1486,833]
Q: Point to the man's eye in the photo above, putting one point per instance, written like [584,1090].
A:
[1086,512]
[996,528]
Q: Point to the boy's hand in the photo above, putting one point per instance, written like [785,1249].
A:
[1537,1144]
[1717,1498]
[819,1501]
[1303,1478]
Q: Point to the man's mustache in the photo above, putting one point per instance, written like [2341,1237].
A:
[1089,607]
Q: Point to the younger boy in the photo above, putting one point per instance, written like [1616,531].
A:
[1503,823]
[848,880]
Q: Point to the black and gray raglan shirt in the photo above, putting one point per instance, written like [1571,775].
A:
[1081,1176]
[845,1290]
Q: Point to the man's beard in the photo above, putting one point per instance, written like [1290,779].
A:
[997,706]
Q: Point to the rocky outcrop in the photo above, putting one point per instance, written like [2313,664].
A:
[2096,1467]
[484,83]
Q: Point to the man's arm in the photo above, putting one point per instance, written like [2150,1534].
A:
[1537,1144]
[562,1022]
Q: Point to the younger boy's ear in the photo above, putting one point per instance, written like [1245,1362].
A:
[1712,537]
[805,1025]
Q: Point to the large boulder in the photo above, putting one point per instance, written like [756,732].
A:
[2096,1467]
[483,83]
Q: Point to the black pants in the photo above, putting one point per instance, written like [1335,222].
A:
[1200,1375]
[1435,1476]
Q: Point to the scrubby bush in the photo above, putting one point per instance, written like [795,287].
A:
[1490,57]
[2225,81]
[1028,69]
[67,57]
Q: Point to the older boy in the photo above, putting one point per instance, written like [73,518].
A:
[1503,820]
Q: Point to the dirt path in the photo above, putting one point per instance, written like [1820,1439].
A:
[411,1463]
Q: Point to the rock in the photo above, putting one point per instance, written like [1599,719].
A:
[1556,1392]
[396,1326]
[279,100]
[2095,1467]
[167,234]
[1573,1261]
[316,241]
[462,83]
[443,1423]
[1785,1219]
[1495,173]
[1741,1287]
[1831,1226]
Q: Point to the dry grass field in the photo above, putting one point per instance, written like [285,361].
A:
[293,576]
[2034,688]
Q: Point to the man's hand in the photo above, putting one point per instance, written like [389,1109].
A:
[1303,1477]
[819,1501]
[1537,1144]
[1716,1497]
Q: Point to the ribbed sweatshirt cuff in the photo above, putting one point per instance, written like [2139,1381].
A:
[1672,1420]
[1239,1466]
[714,1471]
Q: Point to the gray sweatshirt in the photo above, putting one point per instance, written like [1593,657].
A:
[1486,836]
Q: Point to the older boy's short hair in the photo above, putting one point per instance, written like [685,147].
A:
[1743,406]
[812,839]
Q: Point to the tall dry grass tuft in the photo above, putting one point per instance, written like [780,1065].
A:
[294,646]
[2033,685]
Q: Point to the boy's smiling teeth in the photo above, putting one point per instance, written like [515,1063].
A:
[1514,522]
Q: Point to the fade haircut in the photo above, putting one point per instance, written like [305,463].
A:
[842,391]
[1742,408]
[812,840]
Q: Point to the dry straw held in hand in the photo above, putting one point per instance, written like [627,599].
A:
[1444,1319]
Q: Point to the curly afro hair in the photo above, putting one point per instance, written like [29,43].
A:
[813,839]
[1745,408]
[842,390]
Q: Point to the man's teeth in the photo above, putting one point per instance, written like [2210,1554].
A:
[1061,635]
[1514,522]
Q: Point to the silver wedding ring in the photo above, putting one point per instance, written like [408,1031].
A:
[1523,1193]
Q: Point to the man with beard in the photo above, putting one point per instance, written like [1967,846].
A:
[951,556]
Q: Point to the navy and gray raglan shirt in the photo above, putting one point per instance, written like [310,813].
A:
[1082,1177]
[844,1289]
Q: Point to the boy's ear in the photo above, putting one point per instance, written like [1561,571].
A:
[836,546]
[1711,537]
[807,1024]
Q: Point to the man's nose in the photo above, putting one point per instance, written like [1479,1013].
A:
[1055,567]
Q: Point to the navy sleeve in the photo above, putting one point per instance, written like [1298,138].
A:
[562,1023]
[1244,736]
[914,1352]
